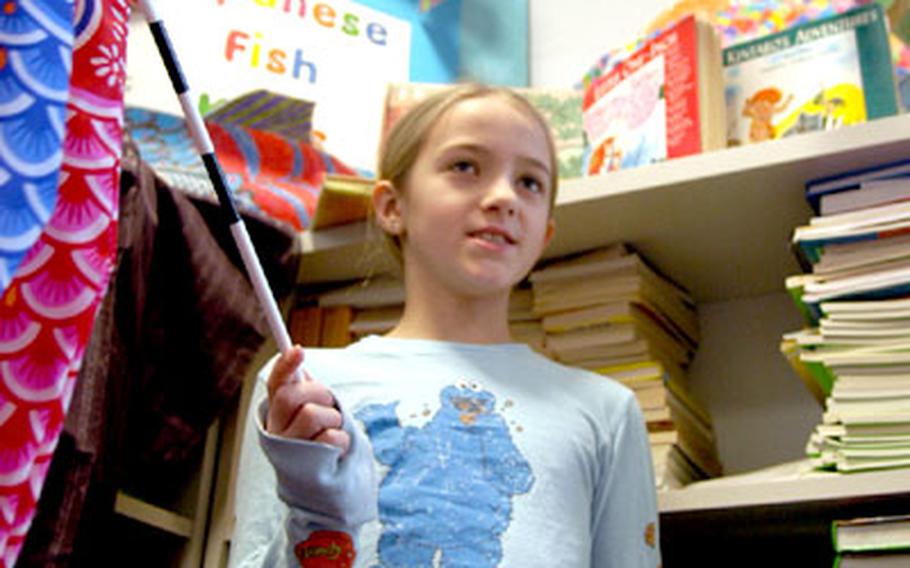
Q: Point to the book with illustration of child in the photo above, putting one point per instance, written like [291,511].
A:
[825,74]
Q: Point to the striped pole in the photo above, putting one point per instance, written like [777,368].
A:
[206,151]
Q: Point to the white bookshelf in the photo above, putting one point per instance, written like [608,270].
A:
[770,490]
[720,223]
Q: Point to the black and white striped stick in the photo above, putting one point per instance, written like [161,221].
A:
[206,150]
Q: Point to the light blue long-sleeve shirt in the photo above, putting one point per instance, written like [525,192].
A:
[462,455]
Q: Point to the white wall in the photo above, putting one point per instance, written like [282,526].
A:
[763,414]
[567,36]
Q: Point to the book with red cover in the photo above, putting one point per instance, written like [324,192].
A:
[663,101]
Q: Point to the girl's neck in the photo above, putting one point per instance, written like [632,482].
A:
[445,317]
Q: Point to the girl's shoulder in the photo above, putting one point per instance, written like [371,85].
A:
[581,377]
[594,389]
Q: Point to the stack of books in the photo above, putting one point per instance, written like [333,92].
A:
[524,324]
[854,354]
[609,307]
[376,305]
[871,541]
[610,311]
[680,428]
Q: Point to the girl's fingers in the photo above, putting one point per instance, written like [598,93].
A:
[303,410]
[288,401]
[310,420]
[284,369]
[335,437]
[289,413]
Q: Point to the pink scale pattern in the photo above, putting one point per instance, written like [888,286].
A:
[49,307]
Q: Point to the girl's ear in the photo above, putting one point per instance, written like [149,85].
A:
[388,207]
[551,231]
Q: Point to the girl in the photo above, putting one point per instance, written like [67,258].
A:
[443,442]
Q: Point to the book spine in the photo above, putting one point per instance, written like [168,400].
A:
[681,72]
[305,326]
[823,376]
[851,180]
[805,256]
[834,543]
[812,247]
[875,65]
[336,323]
[810,315]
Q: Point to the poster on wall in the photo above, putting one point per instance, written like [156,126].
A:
[464,40]
[336,53]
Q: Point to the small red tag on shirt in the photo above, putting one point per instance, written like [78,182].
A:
[326,549]
[651,535]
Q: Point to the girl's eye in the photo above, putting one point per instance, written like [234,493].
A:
[531,184]
[464,166]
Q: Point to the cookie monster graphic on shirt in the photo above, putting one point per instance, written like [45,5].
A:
[447,496]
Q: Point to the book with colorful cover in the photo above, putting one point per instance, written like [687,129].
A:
[821,75]
[663,101]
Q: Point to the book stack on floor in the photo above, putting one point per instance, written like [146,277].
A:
[881,542]
[609,311]
[854,354]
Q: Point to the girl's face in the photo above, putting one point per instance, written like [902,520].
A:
[474,211]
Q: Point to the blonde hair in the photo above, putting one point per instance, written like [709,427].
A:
[404,142]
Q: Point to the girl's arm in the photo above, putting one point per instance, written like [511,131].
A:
[625,523]
[298,495]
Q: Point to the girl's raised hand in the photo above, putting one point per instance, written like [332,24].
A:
[302,409]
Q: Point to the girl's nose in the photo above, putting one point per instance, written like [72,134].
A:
[502,196]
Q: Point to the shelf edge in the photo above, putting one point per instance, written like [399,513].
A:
[790,491]
[152,515]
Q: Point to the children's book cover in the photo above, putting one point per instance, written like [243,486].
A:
[647,108]
[626,126]
[822,75]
